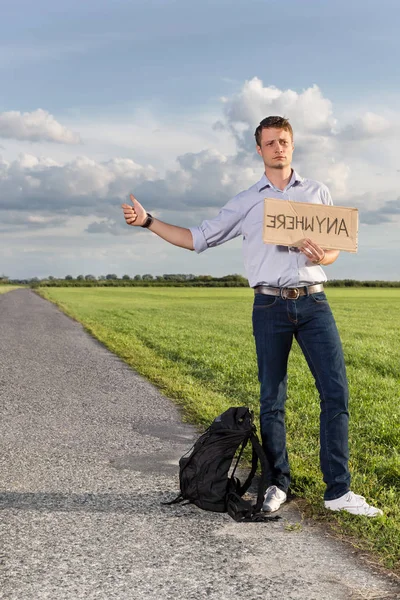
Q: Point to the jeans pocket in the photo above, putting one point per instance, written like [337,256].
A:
[319,297]
[262,301]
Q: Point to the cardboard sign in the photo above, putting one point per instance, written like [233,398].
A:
[331,227]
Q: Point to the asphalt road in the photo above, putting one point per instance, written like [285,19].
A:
[88,452]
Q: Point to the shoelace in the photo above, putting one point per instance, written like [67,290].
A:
[271,492]
[356,497]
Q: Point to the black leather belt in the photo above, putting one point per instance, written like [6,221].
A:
[289,293]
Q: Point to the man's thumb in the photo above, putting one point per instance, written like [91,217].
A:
[135,202]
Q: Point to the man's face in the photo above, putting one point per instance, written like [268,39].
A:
[276,148]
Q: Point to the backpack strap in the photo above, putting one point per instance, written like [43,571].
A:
[265,471]
[244,444]
[254,463]
[242,511]
[258,454]
[178,500]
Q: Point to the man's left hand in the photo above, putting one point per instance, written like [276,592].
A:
[313,252]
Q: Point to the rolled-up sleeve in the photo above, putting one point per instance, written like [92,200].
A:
[225,226]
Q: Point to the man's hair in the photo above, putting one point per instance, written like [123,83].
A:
[272,123]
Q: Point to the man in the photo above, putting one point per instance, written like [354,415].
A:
[289,302]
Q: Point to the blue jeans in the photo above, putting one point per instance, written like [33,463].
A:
[309,319]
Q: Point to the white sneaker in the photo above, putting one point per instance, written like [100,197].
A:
[354,504]
[273,499]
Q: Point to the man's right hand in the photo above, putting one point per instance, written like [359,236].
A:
[178,236]
[135,214]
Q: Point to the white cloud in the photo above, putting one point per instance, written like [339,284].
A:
[46,184]
[309,112]
[36,126]
[80,196]
[148,138]
[368,126]
[325,149]
[85,187]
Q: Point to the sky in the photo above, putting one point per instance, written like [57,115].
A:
[161,98]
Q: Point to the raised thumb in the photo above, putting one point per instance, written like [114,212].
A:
[134,201]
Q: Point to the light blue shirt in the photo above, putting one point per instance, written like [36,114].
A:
[265,264]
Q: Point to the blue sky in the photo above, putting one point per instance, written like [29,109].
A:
[161,98]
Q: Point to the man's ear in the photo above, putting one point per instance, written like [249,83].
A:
[258,149]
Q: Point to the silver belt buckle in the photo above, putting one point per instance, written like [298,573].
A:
[286,293]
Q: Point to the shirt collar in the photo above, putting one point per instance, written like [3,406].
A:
[265,182]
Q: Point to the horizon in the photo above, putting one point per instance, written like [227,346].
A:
[165,277]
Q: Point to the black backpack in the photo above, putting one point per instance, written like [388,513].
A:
[204,470]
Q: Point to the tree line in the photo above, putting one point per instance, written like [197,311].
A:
[169,279]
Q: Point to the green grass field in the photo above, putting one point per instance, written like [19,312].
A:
[7,288]
[197,346]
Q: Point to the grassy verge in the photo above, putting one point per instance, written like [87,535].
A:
[7,288]
[197,346]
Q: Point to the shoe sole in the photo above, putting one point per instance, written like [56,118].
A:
[377,514]
[270,510]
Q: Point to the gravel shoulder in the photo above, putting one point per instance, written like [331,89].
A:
[89,450]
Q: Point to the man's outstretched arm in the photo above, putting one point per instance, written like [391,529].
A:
[136,215]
